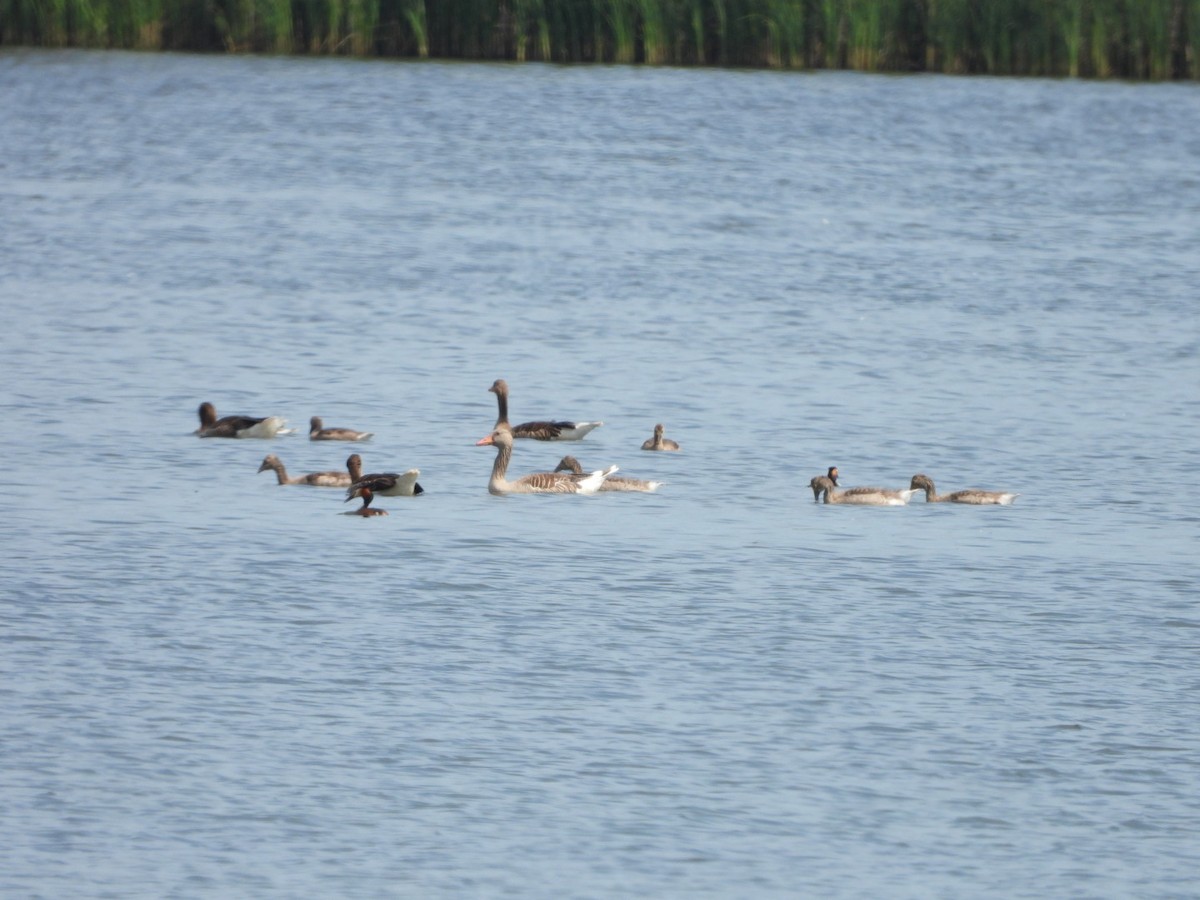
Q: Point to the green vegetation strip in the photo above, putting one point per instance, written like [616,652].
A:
[1136,39]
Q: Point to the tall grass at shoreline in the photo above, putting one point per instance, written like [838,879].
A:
[1137,39]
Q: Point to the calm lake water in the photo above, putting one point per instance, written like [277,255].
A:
[211,685]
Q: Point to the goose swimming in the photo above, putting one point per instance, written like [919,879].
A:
[538,482]
[318,432]
[613,482]
[238,426]
[389,484]
[317,479]
[823,484]
[971,495]
[539,431]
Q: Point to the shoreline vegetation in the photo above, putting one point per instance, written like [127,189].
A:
[1132,39]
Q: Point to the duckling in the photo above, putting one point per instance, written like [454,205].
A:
[658,442]
[317,432]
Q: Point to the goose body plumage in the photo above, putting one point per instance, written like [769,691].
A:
[389,484]
[866,496]
[317,479]
[538,482]
[317,432]
[658,442]
[613,482]
[543,430]
[238,426]
[970,496]
[554,431]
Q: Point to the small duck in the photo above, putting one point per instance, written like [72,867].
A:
[613,482]
[389,484]
[832,475]
[366,509]
[539,431]
[823,484]
[972,496]
[238,426]
[658,442]
[317,479]
[317,432]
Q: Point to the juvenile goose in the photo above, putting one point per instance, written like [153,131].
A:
[539,431]
[613,482]
[538,482]
[823,484]
[319,479]
[658,442]
[389,484]
[238,426]
[972,496]
[832,475]
[316,432]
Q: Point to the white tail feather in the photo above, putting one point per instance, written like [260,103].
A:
[592,483]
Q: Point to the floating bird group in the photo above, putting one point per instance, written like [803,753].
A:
[365,487]
[827,486]
[556,482]
[569,477]
[537,482]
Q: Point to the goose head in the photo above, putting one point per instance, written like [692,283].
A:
[922,483]
[569,464]
[501,437]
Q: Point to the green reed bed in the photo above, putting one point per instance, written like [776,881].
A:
[1143,39]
